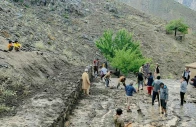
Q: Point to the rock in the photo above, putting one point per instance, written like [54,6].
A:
[111,8]
[3,65]
[1,9]
[97,106]
[51,37]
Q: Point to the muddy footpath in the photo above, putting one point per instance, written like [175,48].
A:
[98,109]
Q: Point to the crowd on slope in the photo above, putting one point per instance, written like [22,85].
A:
[156,88]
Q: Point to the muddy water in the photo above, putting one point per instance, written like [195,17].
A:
[97,110]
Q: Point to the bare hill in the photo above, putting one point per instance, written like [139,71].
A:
[165,9]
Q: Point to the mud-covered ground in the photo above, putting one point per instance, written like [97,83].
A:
[97,110]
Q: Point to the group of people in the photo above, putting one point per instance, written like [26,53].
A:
[13,45]
[156,88]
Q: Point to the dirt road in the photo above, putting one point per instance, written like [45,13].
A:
[97,110]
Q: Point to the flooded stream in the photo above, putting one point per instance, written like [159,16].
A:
[98,109]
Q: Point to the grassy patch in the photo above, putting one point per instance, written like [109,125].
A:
[4,108]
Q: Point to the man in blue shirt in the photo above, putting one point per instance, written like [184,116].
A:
[129,89]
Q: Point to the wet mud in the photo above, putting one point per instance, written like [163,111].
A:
[98,109]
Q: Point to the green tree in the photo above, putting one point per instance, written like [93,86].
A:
[105,44]
[121,50]
[177,25]
[128,60]
[110,42]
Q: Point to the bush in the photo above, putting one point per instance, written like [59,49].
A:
[4,108]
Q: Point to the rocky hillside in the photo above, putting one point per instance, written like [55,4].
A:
[58,42]
[165,9]
[189,3]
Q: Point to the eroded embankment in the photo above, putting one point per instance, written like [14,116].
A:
[48,108]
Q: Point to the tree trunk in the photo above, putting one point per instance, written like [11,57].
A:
[175,31]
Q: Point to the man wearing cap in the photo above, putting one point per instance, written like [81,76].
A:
[129,89]
[85,82]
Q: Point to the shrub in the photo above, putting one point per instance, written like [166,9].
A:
[4,108]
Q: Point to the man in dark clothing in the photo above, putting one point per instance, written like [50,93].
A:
[96,65]
[193,81]
[157,71]
[156,89]
[149,84]
[140,80]
[186,74]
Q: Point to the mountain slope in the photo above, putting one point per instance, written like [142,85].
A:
[189,3]
[165,9]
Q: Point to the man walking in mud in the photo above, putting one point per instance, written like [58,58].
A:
[157,71]
[96,67]
[85,82]
[163,98]
[146,71]
[140,80]
[156,89]
[183,88]
[129,89]
[107,78]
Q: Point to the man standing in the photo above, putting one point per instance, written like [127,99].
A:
[156,89]
[146,71]
[186,74]
[96,66]
[140,80]
[129,89]
[121,80]
[118,121]
[164,98]
[107,78]
[141,70]
[157,71]
[103,71]
[85,82]
[149,84]
[183,88]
